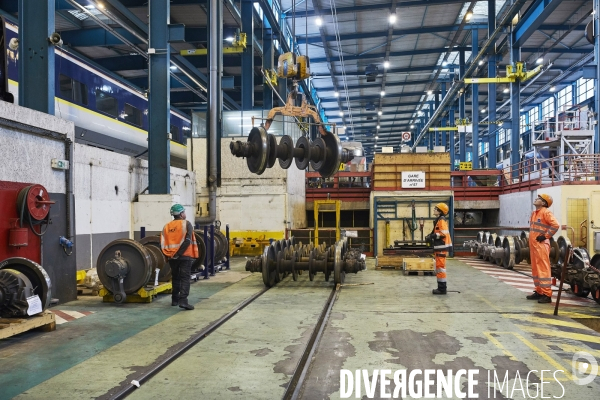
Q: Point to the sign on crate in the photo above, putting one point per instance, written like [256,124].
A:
[413,179]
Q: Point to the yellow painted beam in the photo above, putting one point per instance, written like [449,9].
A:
[203,52]
[491,80]
[443,128]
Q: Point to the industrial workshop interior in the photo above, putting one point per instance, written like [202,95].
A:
[299,199]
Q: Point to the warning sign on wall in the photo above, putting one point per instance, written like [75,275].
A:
[413,179]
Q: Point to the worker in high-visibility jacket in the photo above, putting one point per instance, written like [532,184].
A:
[542,226]
[178,244]
[442,244]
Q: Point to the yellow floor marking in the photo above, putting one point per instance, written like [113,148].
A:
[561,334]
[527,343]
[568,314]
[548,321]
[569,348]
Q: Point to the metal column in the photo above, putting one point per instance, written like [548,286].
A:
[268,63]
[492,128]
[597,56]
[443,133]
[36,55]
[515,106]
[462,137]
[475,108]
[159,101]
[248,55]
[215,58]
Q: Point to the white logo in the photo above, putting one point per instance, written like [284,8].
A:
[584,363]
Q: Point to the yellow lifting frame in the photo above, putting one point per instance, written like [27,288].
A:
[143,295]
[512,75]
[238,46]
[338,207]
[443,128]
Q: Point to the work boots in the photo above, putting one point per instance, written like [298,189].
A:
[534,296]
[545,299]
[441,289]
[186,306]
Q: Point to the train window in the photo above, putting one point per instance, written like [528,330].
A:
[106,103]
[132,115]
[73,90]
[175,133]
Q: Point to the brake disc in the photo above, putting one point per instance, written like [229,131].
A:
[257,160]
[286,155]
[334,155]
[272,156]
[302,161]
[318,148]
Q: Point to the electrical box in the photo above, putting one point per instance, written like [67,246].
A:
[596,241]
[59,164]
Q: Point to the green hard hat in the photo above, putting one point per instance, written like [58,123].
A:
[177,209]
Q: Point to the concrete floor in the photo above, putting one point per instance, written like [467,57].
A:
[394,324]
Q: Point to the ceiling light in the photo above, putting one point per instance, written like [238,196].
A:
[553,88]
[506,90]
[319,21]
[480,62]
[392,18]
[229,39]
[101,6]
[522,109]
[430,92]
[483,110]
[336,94]
[382,93]
[375,146]
[445,63]
[173,67]
[376,137]
[341,113]
[540,60]
[379,112]
[386,64]
[468,16]
[378,127]
[90,7]
[412,126]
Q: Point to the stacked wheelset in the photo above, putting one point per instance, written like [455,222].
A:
[285,257]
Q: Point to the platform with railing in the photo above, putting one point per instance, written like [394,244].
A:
[344,185]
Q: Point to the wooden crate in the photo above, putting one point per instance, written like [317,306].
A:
[419,264]
[388,168]
[45,321]
[390,262]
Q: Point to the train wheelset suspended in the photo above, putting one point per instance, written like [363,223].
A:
[285,257]
[261,151]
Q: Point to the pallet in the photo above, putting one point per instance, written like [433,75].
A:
[420,273]
[85,291]
[389,267]
[45,322]
[419,264]
[144,295]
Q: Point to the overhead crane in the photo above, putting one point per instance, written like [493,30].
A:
[513,73]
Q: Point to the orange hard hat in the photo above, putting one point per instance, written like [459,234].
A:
[547,198]
[443,207]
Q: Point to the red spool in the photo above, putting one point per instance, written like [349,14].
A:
[37,202]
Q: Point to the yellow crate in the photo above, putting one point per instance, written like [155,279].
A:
[419,264]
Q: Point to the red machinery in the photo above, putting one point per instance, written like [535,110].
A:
[24,218]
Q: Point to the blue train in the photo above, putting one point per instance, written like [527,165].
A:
[108,113]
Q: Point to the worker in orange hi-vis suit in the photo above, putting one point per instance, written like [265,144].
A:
[442,243]
[542,226]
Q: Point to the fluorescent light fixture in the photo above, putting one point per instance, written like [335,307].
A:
[382,93]
[506,90]
[540,60]
[336,94]
[392,18]
[468,16]
[386,64]
[319,21]
[379,112]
